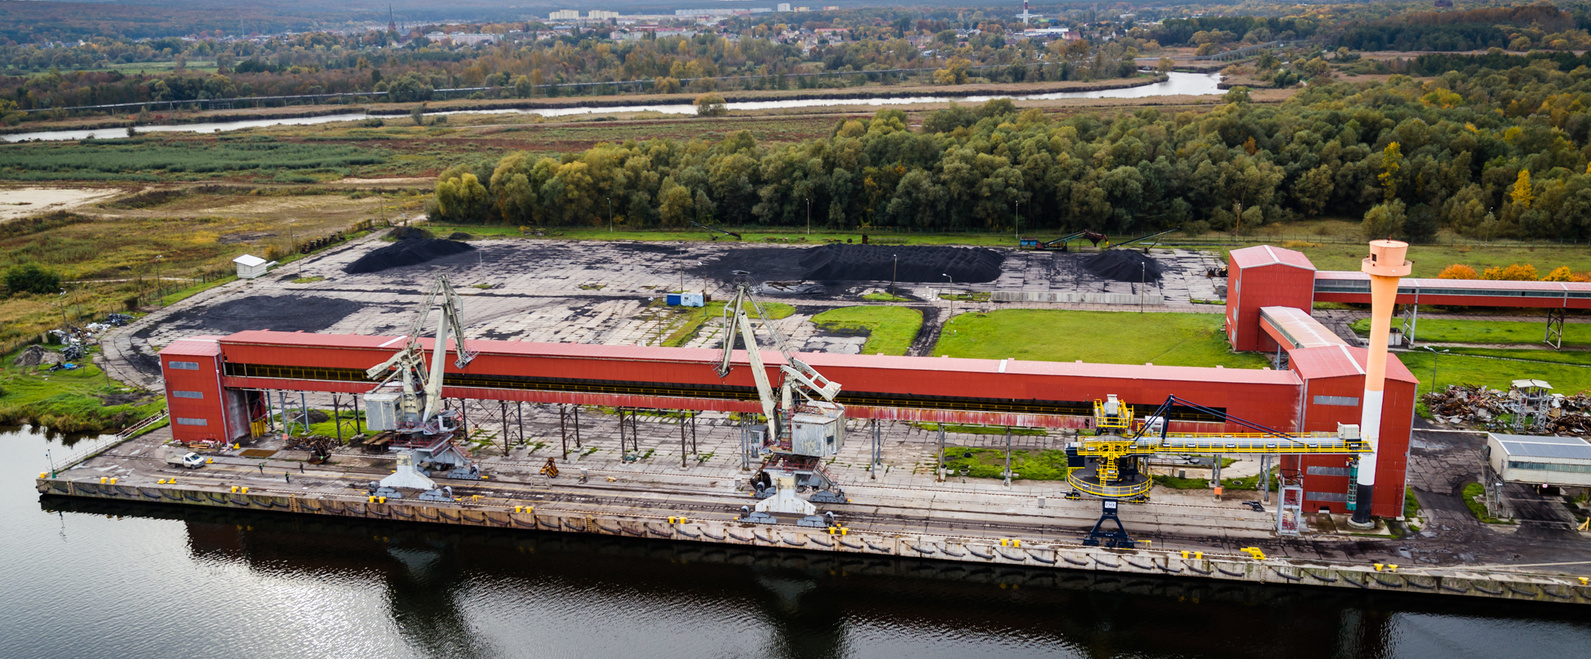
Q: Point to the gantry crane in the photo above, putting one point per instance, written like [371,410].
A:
[1109,464]
[800,433]
[416,416]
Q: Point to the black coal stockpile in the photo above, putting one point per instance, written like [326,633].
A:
[410,251]
[1123,265]
[917,263]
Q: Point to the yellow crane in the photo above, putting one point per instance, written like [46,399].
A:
[1109,465]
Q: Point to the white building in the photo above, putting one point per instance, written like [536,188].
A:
[564,15]
[601,15]
[1561,461]
[251,266]
[783,6]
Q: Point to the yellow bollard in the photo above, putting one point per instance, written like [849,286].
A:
[1198,555]
[44,474]
[234,489]
[1584,581]
[244,489]
[1016,543]
[844,530]
[1004,542]
[383,499]
[1392,568]
[1184,553]
[1377,566]
[209,461]
[112,481]
[102,480]
[370,499]
[483,477]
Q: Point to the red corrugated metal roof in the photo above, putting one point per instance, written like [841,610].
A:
[1411,283]
[1300,328]
[1258,255]
[943,367]
[194,346]
[1342,361]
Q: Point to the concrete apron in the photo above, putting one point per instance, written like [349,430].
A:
[858,539]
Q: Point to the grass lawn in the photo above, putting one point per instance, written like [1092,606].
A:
[1473,491]
[1568,372]
[68,401]
[1044,465]
[1444,330]
[695,317]
[1165,339]
[890,330]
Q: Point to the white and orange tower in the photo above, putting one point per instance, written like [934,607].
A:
[1385,266]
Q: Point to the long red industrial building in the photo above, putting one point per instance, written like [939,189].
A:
[215,385]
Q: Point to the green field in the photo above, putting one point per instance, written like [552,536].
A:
[1108,337]
[696,317]
[163,159]
[80,400]
[1567,372]
[1043,465]
[890,330]
[1444,330]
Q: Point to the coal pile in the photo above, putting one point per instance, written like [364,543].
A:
[410,251]
[1123,265]
[878,263]
[280,313]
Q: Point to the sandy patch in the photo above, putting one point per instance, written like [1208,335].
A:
[22,202]
[417,180]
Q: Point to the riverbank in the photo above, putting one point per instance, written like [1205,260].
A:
[179,117]
[354,112]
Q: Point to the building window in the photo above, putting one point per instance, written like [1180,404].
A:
[1330,471]
[1543,466]
[1345,401]
[1337,497]
[183,366]
[185,421]
[187,394]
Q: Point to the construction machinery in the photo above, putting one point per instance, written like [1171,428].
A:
[406,405]
[732,234]
[1153,238]
[1060,244]
[804,424]
[1110,464]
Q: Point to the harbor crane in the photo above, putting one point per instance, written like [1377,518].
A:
[415,416]
[1109,465]
[804,424]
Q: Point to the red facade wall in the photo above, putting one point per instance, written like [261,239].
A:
[1268,397]
[182,384]
[1249,288]
[1392,451]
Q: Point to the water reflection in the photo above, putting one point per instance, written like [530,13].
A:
[476,593]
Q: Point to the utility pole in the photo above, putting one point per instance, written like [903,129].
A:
[893,274]
[157,279]
[1143,281]
[809,216]
[610,214]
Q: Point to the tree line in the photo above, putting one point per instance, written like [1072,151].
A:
[1503,154]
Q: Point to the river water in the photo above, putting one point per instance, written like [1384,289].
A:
[1191,84]
[91,579]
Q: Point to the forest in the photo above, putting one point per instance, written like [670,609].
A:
[1500,154]
[1516,28]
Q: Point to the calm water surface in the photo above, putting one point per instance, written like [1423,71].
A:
[87,579]
[1194,84]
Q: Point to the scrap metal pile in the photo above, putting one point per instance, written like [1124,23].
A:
[1496,410]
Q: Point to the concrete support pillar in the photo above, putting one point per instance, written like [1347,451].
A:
[1385,266]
